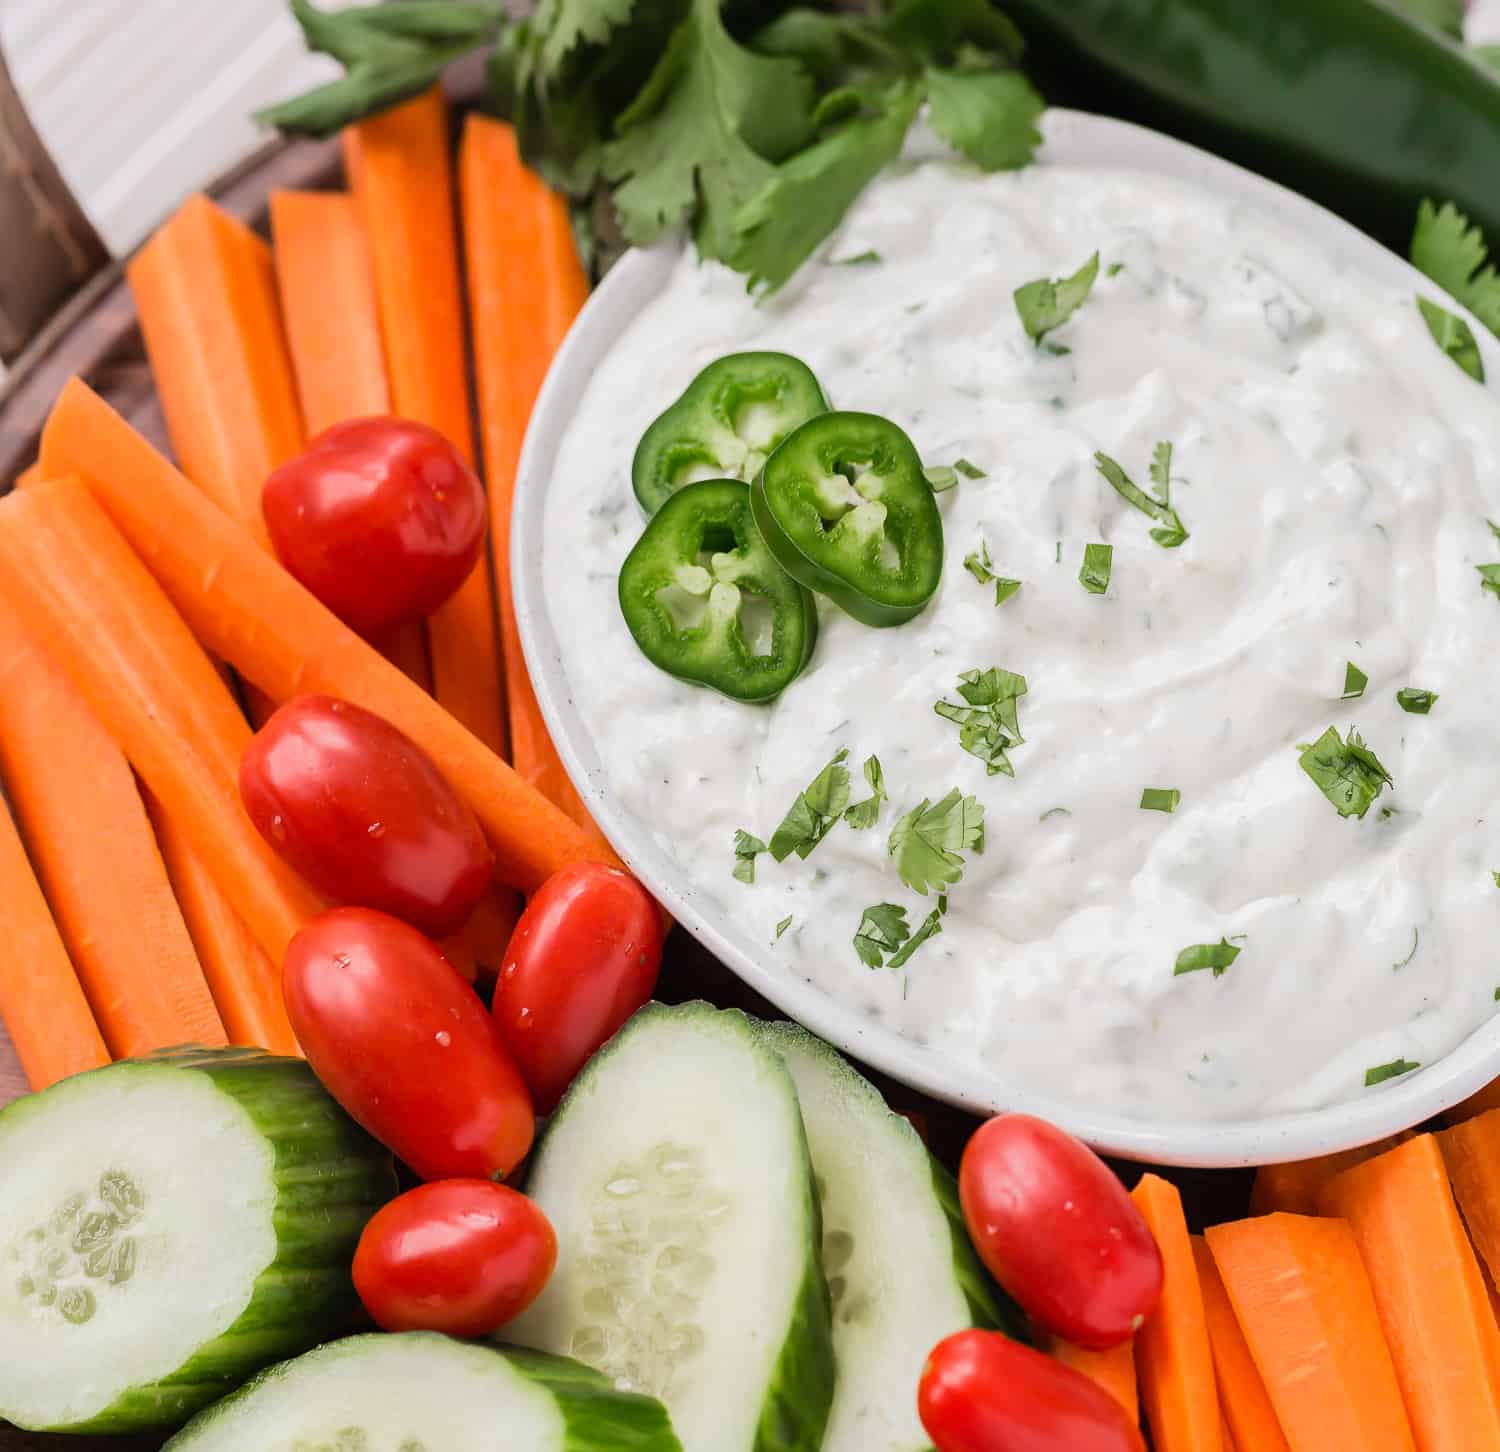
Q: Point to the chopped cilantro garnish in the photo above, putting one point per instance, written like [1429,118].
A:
[1415,939]
[1346,772]
[927,841]
[1171,533]
[968,470]
[979,564]
[940,477]
[1005,588]
[746,850]
[1217,956]
[1048,303]
[1381,1072]
[1415,700]
[814,813]
[1496,876]
[863,814]
[1489,577]
[929,927]
[882,930]
[1114,269]
[782,926]
[987,724]
[1098,561]
[1451,251]
[1160,799]
[1355,681]
[1454,336]
[1054,812]
[860,259]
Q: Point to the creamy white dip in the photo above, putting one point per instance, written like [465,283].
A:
[1334,472]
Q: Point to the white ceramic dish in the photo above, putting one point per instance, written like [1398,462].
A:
[1071,137]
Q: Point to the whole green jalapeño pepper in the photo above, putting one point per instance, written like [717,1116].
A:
[707,602]
[727,421]
[844,506]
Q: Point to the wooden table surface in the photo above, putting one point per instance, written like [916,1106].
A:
[96,336]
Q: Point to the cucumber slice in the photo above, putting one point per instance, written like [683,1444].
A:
[420,1392]
[676,1175]
[169,1226]
[898,1260]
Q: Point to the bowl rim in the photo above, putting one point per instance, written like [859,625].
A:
[1070,138]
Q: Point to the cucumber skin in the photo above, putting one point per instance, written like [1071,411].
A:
[330,1176]
[596,1417]
[990,1307]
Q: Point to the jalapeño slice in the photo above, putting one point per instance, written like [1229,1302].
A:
[706,600]
[844,506]
[727,421]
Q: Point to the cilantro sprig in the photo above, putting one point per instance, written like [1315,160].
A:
[863,814]
[1170,532]
[883,930]
[746,850]
[928,842]
[1452,252]
[987,721]
[1046,304]
[815,812]
[1347,772]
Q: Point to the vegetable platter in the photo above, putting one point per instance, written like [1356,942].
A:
[376,1107]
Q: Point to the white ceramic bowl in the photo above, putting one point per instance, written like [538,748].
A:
[1071,137]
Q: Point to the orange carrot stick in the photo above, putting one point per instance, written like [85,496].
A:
[1471,1152]
[79,809]
[28,476]
[1172,1351]
[247,609]
[1294,1187]
[246,985]
[1429,1292]
[1114,1370]
[526,286]
[47,1016]
[1247,1409]
[403,181]
[206,296]
[1302,1298]
[76,585]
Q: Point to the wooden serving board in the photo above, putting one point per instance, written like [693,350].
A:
[96,336]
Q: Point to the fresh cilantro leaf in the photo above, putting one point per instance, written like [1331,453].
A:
[960,32]
[389,52]
[1048,303]
[968,470]
[1217,956]
[1171,534]
[563,26]
[782,926]
[699,140]
[1489,577]
[860,259]
[1415,938]
[1381,1072]
[929,927]
[1346,772]
[1093,574]
[1418,702]
[1451,251]
[988,115]
[814,813]
[882,930]
[927,841]
[1454,337]
[940,477]
[746,850]
[1355,681]
[1160,799]
[782,220]
[1005,588]
[978,563]
[863,814]
[987,723]
[1445,16]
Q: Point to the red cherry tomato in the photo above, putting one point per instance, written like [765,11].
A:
[401,1041]
[381,518]
[361,811]
[583,958]
[460,1256]
[1058,1231]
[981,1392]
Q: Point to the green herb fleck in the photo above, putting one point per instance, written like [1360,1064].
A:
[1490,577]
[860,259]
[1415,938]
[1114,269]
[1415,700]
[1217,956]
[1381,1072]
[863,814]
[1054,812]
[746,850]
[978,563]
[1005,588]
[987,722]
[882,930]
[782,926]
[1346,772]
[1093,574]
[1454,336]
[1496,876]
[968,470]
[1355,681]
[1160,799]
[940,477]
[1048,303]
[814,813]
[927,841]
[1171,533]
